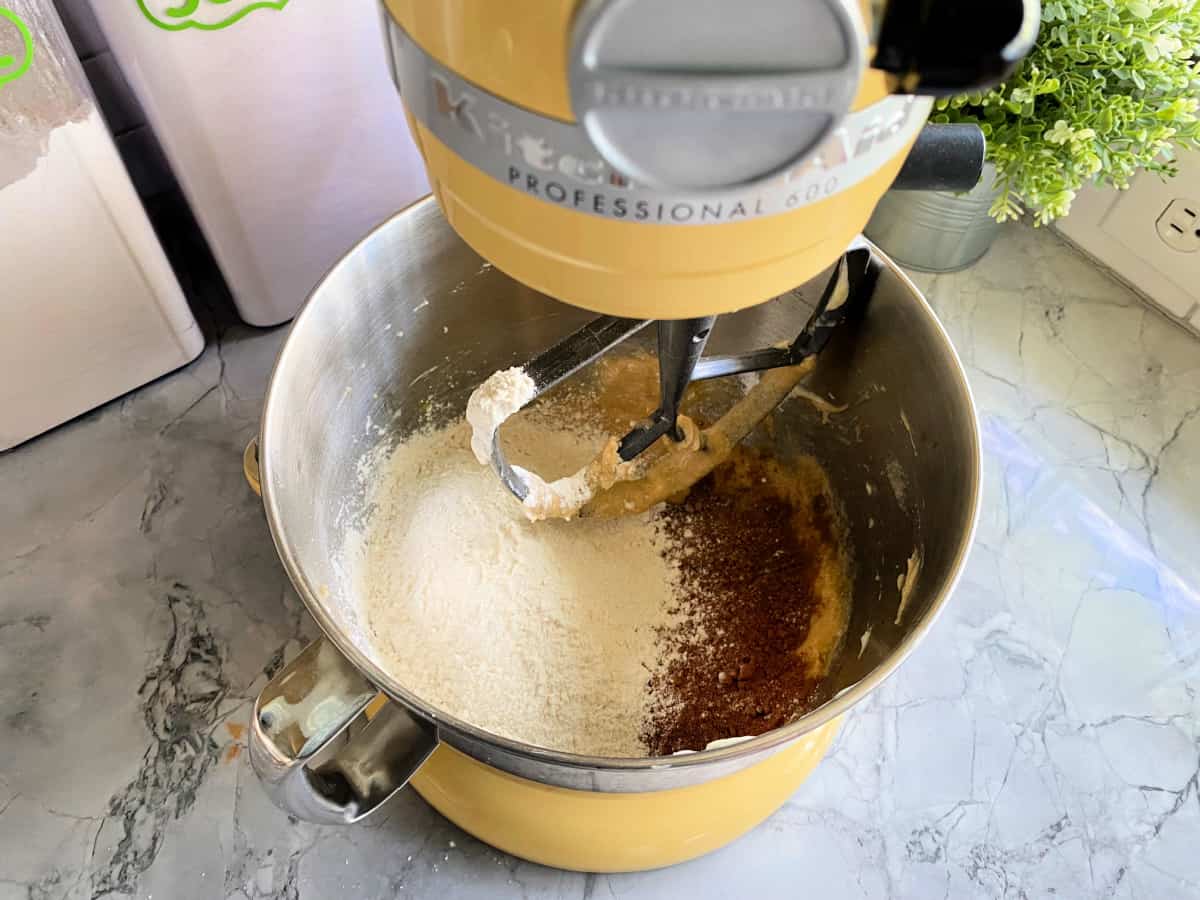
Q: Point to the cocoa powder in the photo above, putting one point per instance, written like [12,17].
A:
[761,569]
[758,553]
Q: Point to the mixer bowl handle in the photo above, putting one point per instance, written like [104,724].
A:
[326,753]
[326,745]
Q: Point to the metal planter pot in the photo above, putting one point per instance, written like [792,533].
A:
[335,734]
[936,231]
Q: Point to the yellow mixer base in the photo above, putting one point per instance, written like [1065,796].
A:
[597,832]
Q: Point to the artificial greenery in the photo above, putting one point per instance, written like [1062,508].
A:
[1111,87]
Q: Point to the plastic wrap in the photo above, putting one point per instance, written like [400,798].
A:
[42,85]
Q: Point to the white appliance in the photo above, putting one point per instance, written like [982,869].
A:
[283,128]
[89,305]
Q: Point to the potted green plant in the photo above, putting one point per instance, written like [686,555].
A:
[1110,89]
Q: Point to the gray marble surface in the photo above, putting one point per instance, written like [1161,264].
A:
[1042,742]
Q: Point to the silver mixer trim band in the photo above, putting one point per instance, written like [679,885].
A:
[556,162]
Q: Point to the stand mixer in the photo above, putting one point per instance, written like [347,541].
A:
[672,160]
[658,161]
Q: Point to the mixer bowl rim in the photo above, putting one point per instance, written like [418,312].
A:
[755,747]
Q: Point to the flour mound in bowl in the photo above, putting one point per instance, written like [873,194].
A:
[540,632]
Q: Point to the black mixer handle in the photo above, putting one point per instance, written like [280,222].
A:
[941,48]
[944,158]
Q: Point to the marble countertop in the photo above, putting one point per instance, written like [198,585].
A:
[1042,741]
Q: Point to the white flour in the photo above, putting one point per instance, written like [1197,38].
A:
[491,403]
[545,632]
[488,407]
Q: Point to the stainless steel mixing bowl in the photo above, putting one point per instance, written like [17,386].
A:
[410,321]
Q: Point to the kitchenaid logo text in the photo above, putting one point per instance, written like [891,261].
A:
[634,95]
[534,151]
[815,179]
[555,162]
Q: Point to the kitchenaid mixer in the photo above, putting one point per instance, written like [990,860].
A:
[671,160]
[488,89]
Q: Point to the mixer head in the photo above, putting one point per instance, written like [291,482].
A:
[677,159]
[673,160]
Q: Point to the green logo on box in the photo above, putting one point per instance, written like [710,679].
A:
[13,67]
[205,15]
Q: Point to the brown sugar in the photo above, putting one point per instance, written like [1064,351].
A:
[762,575]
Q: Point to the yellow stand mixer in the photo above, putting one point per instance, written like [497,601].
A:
[672,160]
[666,160]
[669,159]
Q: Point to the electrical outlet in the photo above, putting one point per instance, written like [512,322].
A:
[1149,235]
[1179,225]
